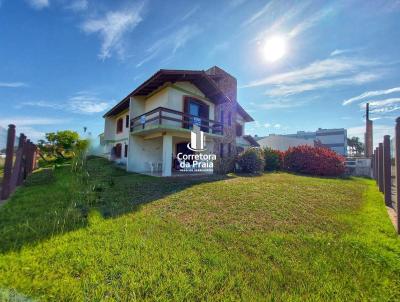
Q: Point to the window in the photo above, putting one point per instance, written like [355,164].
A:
[222,116]
[118,150]
[126,150]
[199,113]
[230,119]
[119,125]
[239,130]
[127,121]
[221,150]
[229,149]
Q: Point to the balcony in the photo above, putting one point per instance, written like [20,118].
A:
[168,119]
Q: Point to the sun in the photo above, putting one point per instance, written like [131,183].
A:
[274,48]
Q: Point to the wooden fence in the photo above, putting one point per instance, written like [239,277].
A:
[386,172]
[18,164]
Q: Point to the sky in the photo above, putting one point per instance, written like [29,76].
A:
[64,63]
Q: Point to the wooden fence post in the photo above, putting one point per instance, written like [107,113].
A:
[387,167]
[397,150]
[380,166]
[16,171]
[373,161]
[376,166]
[31,160]
[5,190]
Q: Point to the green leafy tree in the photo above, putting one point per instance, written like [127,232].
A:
[61,144]
[355,146]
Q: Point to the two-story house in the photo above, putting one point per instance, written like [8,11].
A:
[150,126]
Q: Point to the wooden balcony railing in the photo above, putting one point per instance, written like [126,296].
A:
[165,116]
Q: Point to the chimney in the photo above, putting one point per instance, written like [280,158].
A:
[368,133]
[224,81]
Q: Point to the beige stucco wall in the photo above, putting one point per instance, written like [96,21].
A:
[142,152]
[170,96]
[111,137]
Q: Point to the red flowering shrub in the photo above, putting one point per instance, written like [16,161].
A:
[314,161]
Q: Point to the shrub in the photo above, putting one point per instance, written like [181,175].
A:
[314,161]
[224,165]
[251,160]
[273,159]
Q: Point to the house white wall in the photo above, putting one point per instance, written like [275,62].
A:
[142,152]
[112,138]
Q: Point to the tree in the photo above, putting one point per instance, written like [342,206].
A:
[59,144]
[356,148]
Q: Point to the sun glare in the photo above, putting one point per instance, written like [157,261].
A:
[274,48]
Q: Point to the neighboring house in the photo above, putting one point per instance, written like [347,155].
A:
[149,127]
[334,139]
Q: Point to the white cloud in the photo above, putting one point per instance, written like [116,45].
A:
[171,43]
[78,5]
[236,3]
[338,52]
[190,12]
[258,14]
[369,94]
[320,74]
[277,126]
[12,84]
[286,90]
[39,4]
[83,103]
[381,103]
[22,121]
[267,125]
[310,22]
[112,28]
[87,105]
[289,14]
[42,104]
[31,133]
[379,132]
[319,69]
[281,103]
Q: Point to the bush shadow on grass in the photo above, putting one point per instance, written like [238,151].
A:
[49,204]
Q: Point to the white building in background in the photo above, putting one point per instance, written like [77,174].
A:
[283,142]
[334,139]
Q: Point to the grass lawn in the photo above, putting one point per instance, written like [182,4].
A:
[275,237]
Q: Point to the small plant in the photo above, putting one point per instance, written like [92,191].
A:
[251,160]
[314,161]
[273,159]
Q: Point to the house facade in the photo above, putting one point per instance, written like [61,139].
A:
[153,124]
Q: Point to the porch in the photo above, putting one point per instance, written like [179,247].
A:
[155,153]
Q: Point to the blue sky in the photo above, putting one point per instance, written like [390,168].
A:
[63,63]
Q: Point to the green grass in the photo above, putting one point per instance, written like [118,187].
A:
[276,237]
